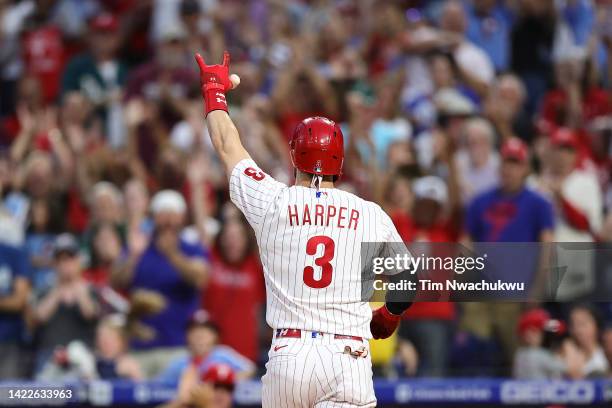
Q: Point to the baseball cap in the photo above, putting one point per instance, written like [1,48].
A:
[65,244]
[564,137]
[514,149]
[104,22]
[219,375]
[168,200]
[533,319]
[431,187]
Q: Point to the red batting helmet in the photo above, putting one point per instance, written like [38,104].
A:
[317,147]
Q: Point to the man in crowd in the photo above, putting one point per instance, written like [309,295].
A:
[511,212]
[173,265]
[70,310]
[577,197]
[14,293]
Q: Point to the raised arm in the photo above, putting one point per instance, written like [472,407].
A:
[215,81]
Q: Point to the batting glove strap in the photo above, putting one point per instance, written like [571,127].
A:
[214,99]
[383,323]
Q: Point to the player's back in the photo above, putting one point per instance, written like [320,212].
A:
[310,246]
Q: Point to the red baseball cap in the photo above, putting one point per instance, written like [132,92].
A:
[533,319]
[564,137]
[515,149]
[106,22]
[219,374]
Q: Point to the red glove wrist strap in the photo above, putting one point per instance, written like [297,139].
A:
[388,315]
[214,98]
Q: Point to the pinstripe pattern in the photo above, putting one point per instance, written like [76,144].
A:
[285,219]
[315,372]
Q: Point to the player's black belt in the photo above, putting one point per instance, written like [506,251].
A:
[297,334]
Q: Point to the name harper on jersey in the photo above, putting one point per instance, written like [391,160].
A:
[323,215]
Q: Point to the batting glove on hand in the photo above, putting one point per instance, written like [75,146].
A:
[215,81]
[383,323]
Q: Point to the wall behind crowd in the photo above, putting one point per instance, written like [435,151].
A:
[476,120]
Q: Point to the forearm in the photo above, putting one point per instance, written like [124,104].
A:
[88,307]
[193,271]
[16,302]
[47,307]
[225,139]
[199,207]
[20,146]
[11,304]
[123,272]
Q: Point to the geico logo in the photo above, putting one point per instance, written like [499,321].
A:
[558,392]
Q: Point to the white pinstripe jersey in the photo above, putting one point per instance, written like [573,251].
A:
[310,248]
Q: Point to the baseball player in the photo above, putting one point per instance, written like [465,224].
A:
[309,237]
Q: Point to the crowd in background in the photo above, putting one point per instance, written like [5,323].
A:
[121,255]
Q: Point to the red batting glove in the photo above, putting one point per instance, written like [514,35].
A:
[383,323]
[215,81]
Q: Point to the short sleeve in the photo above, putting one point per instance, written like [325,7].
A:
[546,220]
[252,190]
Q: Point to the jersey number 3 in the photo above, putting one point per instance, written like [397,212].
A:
[323,261]
[254,174]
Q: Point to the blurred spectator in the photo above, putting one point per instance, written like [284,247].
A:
[532,361]
[98,75]
[105,251]
[204,351]
[478,162]
[505,108]
[171,264]
[577,198]
[301,78]
[40,237]
[428,325]
[235,273]
[43,48]
[165,81]
[489,25]
[222,379]
[546,350]
[474,64]
[532,41]
[213,389]
[14,293]
[577,97]
[390,126]
[112,359]
[511,212]
[69,310]
[105,207]
[584,327]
